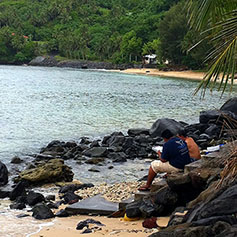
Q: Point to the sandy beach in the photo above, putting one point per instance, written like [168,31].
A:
[176,74]
[112,227]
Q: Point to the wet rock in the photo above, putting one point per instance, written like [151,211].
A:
[95,152]
[41,211]
[74,187]
[141,152]
[53,205]
[95,161]
[34,198]
[70,197]
[95,143]
[68,155]
[53,171]
[70,144]
[161,124]
[117,141]
[16,160]
[5,191]
[138,131]
[86,223]
[85,140]
[117,156]
[111,139]
[18,206]
[3,174]
[18,190]
[50,197]
[128,142]
[94,169]
[21,199]
[62,213]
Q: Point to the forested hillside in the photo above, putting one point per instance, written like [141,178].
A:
[106,30]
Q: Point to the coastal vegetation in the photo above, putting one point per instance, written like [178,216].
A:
[116,31]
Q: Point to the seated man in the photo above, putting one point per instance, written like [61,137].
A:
[173,158]
[193,148]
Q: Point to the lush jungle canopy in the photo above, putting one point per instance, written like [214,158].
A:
[119,31]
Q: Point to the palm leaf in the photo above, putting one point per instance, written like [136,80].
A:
[208,12]
[223,59]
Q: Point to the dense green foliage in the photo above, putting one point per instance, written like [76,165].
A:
[109,30]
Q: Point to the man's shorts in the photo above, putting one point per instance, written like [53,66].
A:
[163,167]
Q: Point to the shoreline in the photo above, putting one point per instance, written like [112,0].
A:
[112,226]
[189,75]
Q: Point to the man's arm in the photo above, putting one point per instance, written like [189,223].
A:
[161,159]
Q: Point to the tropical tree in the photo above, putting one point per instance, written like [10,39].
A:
[217,19]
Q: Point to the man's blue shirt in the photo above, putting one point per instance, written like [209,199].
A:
[176,152]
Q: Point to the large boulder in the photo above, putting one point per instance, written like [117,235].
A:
[225,204]
[209,116]
[162,124]
[53,171]
[230,105]
[215,116]
[3,174]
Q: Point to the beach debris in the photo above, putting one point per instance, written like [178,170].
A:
[114,193]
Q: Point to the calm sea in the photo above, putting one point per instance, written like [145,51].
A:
[41,104]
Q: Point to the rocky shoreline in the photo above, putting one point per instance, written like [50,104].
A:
[205,194]
[51,61]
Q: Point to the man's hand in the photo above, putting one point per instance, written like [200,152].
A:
[159,154]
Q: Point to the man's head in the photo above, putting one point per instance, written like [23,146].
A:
[166,134]
[182,134]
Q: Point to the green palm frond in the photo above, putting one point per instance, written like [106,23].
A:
[208,12]
[224,57]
